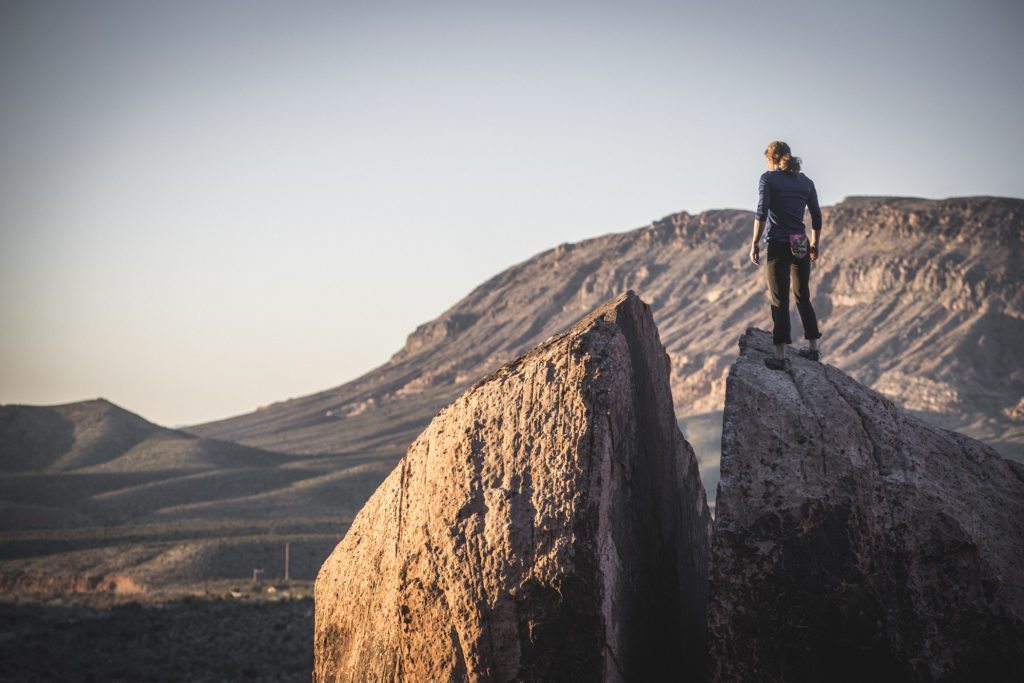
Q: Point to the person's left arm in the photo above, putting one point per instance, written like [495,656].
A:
[763,202]
[815,209]
[755,242]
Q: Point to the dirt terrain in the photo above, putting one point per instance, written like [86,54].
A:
[128,550]
[228,633]
[93,497]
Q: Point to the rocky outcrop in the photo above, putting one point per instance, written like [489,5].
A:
[854,542]
[550,524]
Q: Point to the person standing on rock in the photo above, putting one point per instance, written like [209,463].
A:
[783,194]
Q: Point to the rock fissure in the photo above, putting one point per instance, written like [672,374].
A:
[873,451]
[818,420]
[615,660]
[401,503]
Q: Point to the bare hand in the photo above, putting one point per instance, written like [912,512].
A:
[814,252]
[755,254]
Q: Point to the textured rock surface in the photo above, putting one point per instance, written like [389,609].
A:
[855,542]
[550,524]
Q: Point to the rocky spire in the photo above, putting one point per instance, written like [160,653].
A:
[550,524]
[854,542]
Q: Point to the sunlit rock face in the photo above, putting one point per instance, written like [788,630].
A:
[548,525]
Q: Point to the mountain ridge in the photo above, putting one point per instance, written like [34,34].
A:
[903,269]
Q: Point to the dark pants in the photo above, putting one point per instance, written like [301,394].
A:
[782,268]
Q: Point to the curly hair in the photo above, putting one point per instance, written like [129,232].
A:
[780,155]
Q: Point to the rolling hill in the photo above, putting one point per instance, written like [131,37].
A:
[90,490]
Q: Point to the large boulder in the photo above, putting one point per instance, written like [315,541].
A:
[550,525]
[854,542]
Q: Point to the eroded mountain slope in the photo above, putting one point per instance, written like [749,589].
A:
[920,299]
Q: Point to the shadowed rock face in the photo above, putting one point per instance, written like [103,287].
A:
[855,542]
[550,524]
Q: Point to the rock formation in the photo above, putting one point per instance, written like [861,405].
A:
[855,542]
[550,524]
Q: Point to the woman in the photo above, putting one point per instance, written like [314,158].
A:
[783,194]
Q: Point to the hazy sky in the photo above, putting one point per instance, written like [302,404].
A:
[209,206]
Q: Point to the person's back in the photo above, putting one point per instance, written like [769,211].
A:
[782,198]
[783,194]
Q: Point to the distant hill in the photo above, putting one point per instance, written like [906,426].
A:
[920,299]
[90,490]
[97,436]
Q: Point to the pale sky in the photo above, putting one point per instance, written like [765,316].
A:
[210,206]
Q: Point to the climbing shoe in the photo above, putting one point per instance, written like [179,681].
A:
[777,363]
[809,353]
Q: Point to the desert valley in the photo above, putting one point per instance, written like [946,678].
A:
[104,513]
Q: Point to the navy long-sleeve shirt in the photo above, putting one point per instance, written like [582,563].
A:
[781,198]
